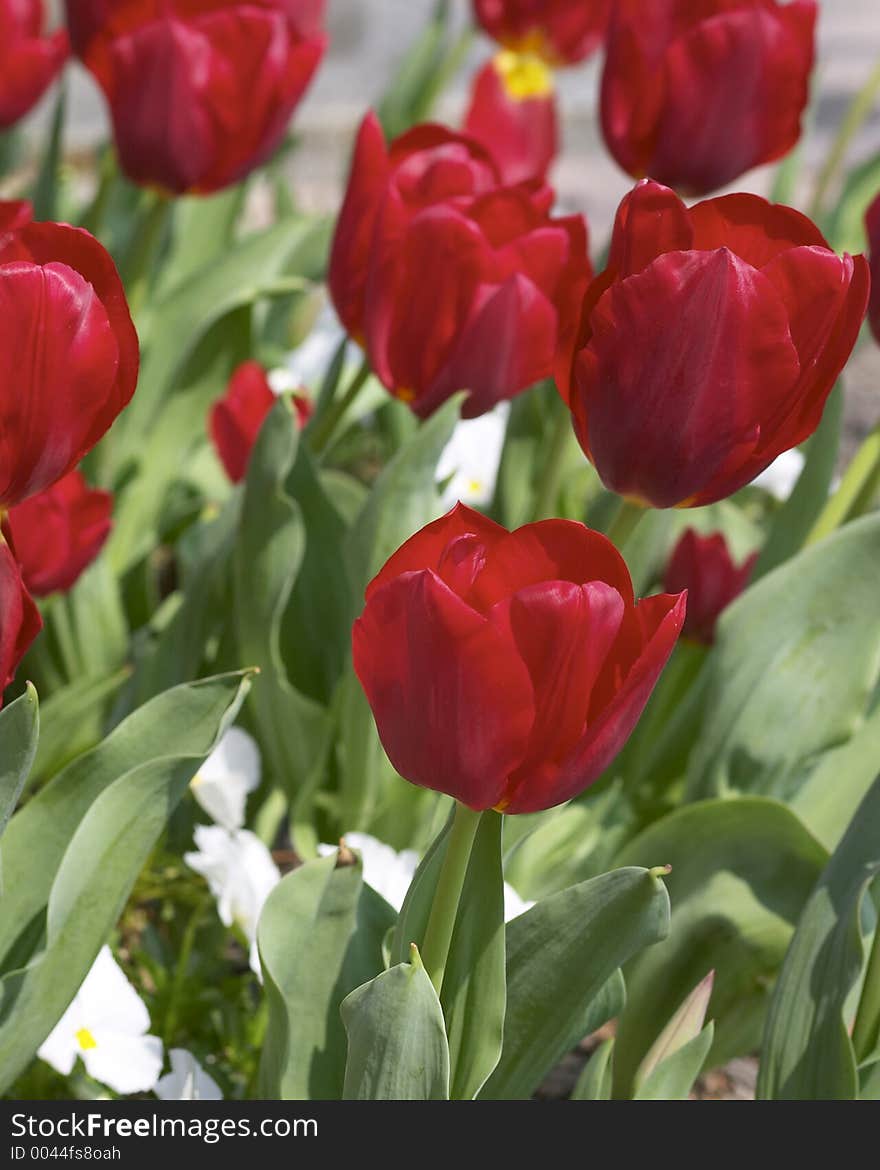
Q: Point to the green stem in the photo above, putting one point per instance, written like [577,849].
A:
[65,637]
[858,111]
[326,427]
[553,471]
[866,1032]
[625,523]
[855,493]
[141,256]
[186,946]
[441,922]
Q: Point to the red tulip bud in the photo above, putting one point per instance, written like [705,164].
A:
[513,114]
[508,669]
[30,60]
[703,566]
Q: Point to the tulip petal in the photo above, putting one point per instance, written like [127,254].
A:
[451,697]
[755,229]
[521,134]
[20,620]
[650,221]
[27,69]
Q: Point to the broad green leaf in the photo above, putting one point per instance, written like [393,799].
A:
[807,1052]
[19,734]
[846,229]
[771,705]
[48,181]
[320,936]
[100,863]
[742,871]
[204,230]
[364,771]
[563,980]
[416,909]
[685,1025]
[474,994]
[594,1083]
[404,497]
[268,555]
[74,721]
[673,1078]
[173,732]
[397,1049]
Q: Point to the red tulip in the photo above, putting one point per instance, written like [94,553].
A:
[57,534]
[703,566]
[236,418]
[20,620]
[872,223]
[563,32]
[696,93]
[709,345]
[512,113]
[201,91]
[450,280]
[507,669]
[30,60]
[68,350]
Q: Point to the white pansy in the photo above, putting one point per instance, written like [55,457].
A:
[240,873]
[187,1080]
[389,873]
[230,772]
[472,458]
[106,1024]
[780,477]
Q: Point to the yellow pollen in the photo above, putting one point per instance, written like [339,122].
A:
[405,394]
[523,75]
[475,486]
[85,1039]
[537,43]
[197,780]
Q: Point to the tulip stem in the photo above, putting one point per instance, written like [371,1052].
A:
[337,410]
[859,109]
[856,492]
[444,909]
[553,470]
[866,1031]
[144,249]
[625,523]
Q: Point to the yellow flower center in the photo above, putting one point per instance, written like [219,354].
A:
[405,394]
[86,1040]
[523,75]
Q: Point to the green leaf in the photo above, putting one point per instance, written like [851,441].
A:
[404,497]
[770,705]
[320,936]
[102,856]
[673,1078]
[46,186]
[268,555]
[685,1025]
[73,721]
[594,1083]
[563,981]
[742,871]
[807,1052]
[19,734]
[397,1049]
[473,995]
[846,229]
[416,909]
[204,230]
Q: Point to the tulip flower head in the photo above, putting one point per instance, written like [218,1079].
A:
[187,1080]
[57,533]
[560,32]
[512,113]
[20,620]
[227,777]
[62,303]
[236,419]
[695,94]
[704,567]
[200,91]
[709,345]
[30,59]
[508,669]
[492,312]
[872,225]
[106,1025]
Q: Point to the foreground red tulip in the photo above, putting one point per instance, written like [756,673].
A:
[694,94]
[20,620]
[236,418]
[58,533]
[450,280]
[703,566]
[200,91]
[709,345]
[507,669]
[30,60]
[872,223]
[563,32]
[68,350]
[512,113]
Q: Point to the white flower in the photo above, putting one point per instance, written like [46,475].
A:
[230,772]
[472,458]
[105,1024]
[389,873]
[240,873]
[780,477]
[187,1080]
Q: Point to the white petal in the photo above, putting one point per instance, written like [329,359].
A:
[309,362]
[780,478]
[222,784]
[239,870]
[388,872]
[127,1064]
[514,905]
[187,1080]
[472,458]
